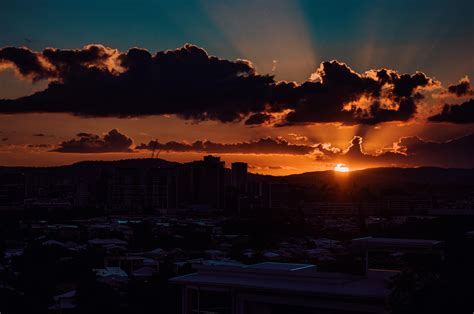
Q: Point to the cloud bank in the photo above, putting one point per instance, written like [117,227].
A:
[112,142]
[462,88]
[463,113]
[407,152]
[266,145]
[98,81]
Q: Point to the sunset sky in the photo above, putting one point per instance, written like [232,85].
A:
[287,86]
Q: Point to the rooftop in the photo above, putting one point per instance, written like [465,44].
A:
[110,271]
[374,244]
[470,234]
[302,279]
[280,266]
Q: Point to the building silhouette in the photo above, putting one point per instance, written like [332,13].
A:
[239,176]
[127,189]
[201,184]
[163,188]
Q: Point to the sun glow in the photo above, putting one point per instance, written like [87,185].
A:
[341,168]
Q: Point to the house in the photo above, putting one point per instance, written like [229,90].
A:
[112,276]
[64,302]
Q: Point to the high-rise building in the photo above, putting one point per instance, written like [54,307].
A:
[12,190]
[127,190]
[49,189]
[201,183]
[163,188]
[239,176]
[275,195]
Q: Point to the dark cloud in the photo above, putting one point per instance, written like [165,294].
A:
[456,153]
[342,95]
[83,134]
[407,152]
[463,113]
[261,146]
[185,81]
[39,134]
[260,168]
[258,118]
[71,64]
[58,64]
[39,145]
[100,81]
[113,141]
[26,62]
[462,88]
[4,139]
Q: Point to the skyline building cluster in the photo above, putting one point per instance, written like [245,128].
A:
[141,186]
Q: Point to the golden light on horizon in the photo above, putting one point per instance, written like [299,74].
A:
[341,168]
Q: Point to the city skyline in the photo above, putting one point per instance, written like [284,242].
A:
[236,157]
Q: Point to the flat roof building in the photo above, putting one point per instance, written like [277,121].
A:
[371,244]
[282,288]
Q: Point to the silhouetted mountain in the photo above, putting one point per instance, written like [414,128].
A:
[128,163]
[387,177]
[91,164]
[373,176]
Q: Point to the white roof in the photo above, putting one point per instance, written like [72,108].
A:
[270,254]
[230,263]
[107,241]
[9,253]
[53,242]
[110,271]
[156,252]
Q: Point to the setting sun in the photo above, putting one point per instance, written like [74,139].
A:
[341,168]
